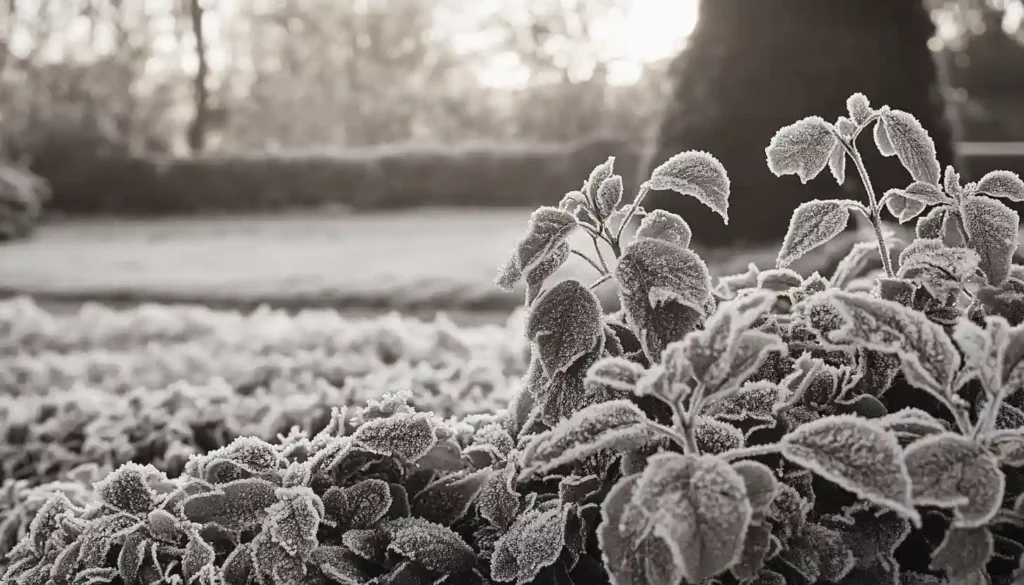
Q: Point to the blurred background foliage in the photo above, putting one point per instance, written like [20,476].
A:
[135,84]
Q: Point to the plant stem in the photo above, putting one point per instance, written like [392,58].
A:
[671,434]
[963,421]
[589,261]
[876,218]
[600,256]
[988,418]
[600,281]
[644,190]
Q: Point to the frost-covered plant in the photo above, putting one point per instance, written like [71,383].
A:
[767,428]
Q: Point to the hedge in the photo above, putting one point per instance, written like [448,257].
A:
[480,175]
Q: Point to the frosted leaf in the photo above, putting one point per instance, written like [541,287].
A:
[494,434]
[756,547]
[293,521]
[951,183]
[813,224]
[778,279]
[238,566]
[534,541]
[613,374]
[126,489]
[819,554]
[370,544]
[577,489]
[628,561]
[498,501]
[197,562]
[753,403]
[164,526]
[609,195]
[446,500]
[963,552]
[431,545]
[535,278]
[931,225]
[728,286]
[845,127]
[131,557]
[837,164]
[926,193]
[803,148]
[859,108]
[664,225]
[993,230]
[929,358]
[572,201]
[902,208]
[853,264]
[940,269]
[663,290]
[405,436]
[1004,184]
[760,483]
[244,457]
[617,424]
[882,142]
[95,576]
[728,351]
[952,471]
[995,352]
[715,437]
[598,176]
[564,325]
[858,456]
[548,228]
[236,506]
[357,506]
[911,422]
[339,564]
[100,536]
[697,506]
[912,144]
[697,174]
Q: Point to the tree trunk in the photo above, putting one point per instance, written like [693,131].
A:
[197,129]
[754,66]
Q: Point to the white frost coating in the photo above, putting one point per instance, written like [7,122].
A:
[1004,184]
[803,148]
[697,174]
[663,225]
[857,455]
[859,108]
[992,229]
[813,224]
[912,144]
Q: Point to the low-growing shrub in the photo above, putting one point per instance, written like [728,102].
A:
[22,195]
[767,428]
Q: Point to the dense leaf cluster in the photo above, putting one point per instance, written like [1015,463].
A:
[763,428]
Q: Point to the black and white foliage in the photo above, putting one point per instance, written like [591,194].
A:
[761,428]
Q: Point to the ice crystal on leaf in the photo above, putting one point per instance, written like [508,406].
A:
[548,228]
[752,407]
[339,564]
[447,499]
[697,506]
[595,181]
[536,277]
[197,562]
[697,174]
[903,208]
[858,456]
[992,229]
[727,351]
[905,137]
[803,148]
[952,471]
[859,108]
[557,345]
[963,554]
[664,225]
[926,193]
[663,289]
[813,224]
[498,501]
[293,521]
[1002,184]
[617,424]
[406,436]
[940,269]
[431,545]
[236,505]
[357,506]
[609,195]
[929,358]
[126,489]
[715,437]
[534,541]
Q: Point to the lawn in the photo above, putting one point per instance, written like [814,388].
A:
[413,261]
